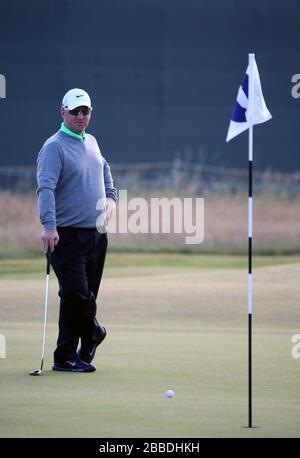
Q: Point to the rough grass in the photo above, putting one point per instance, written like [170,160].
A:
[276,228]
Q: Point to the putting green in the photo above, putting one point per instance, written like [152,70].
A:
[169,327]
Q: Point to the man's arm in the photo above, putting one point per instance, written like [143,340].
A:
[49,165]
[110,191]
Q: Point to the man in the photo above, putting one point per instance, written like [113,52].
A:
[74,181]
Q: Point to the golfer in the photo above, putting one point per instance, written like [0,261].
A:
[75,192]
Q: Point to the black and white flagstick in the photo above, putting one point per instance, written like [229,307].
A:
[250,226]
[237,125]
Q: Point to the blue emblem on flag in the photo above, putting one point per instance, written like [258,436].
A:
[239,112]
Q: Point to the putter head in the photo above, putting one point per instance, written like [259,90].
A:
[37,372]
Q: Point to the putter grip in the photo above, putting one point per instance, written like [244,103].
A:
[48,260]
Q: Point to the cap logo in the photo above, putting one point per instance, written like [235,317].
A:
[81,95]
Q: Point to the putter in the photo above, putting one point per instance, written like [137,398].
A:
[40,371]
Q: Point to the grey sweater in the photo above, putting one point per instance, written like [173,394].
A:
[72,176]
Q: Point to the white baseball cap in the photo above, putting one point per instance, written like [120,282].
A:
[76,98]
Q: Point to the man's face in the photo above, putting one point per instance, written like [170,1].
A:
[78,121]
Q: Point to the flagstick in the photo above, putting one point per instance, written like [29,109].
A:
[238,124]
[250,209]
[250,224]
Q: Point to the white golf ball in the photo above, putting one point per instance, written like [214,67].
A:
[169,393]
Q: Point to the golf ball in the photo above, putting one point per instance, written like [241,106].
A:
[169,393]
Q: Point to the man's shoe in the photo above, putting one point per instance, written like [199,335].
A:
[87,354]
[75,365]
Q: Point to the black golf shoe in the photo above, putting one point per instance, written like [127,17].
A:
[87,354]
[73,365]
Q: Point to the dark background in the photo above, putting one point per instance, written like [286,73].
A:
[163,76]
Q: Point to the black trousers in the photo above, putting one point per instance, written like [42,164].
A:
[78,262]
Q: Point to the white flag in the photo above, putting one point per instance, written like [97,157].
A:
[240,119]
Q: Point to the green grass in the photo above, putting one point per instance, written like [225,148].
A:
[206,368]
[174,322]
[17,252]
[154,260]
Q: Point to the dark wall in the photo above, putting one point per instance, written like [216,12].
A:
[163,76]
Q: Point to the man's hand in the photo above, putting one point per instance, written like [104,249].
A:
[50,239]
[110,208]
